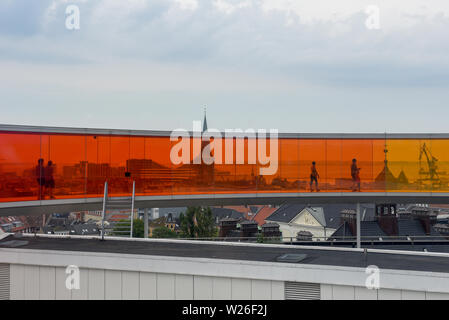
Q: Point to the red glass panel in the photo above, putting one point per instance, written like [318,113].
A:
[19,155]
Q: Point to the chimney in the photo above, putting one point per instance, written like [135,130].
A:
[387,219]
[270,230]
[227,225]
[248,229]
[304,236]
[426,216]
[350,217]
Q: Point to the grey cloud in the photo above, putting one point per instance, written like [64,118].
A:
[22,17]
[325,53]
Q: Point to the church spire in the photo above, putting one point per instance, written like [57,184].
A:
[204,121]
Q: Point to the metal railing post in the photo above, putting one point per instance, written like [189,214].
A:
[358,225]
[145,223]
[103,214]
[132,209]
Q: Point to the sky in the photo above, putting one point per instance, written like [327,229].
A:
[295,66]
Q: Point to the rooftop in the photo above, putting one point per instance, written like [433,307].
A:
[345,257]
[327,215]
[406,228]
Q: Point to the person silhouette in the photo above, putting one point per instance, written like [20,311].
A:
[314,175]
[355,174]
[49,179]
[40,177]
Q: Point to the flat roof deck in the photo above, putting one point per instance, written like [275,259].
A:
[239,251]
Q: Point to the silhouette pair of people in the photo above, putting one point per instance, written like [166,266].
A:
[45,179]
[355,175]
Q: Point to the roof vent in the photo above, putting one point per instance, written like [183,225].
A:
[302,291]
[291,258]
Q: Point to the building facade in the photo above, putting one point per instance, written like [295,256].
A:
[128,271]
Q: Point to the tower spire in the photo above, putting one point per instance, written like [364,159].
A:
[204,121]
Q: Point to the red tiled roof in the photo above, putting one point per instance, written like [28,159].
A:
[263,213]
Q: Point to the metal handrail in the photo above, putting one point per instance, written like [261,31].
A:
[132,208]
[103,214]
[118,229]
[327,239]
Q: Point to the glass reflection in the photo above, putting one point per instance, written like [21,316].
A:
[37,166]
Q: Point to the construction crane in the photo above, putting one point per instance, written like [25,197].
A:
[432,175]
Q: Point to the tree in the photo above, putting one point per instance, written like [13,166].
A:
[187,224]
[138,228]
[163,232]
[123,227]
[197,222]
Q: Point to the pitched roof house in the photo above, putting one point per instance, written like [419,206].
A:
[320,220]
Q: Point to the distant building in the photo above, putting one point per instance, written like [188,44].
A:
[168,221]
[165,212]
[20,224]
[261,215]
[156,213]
[416,222]
[320,220]
[92,216]
[222,213]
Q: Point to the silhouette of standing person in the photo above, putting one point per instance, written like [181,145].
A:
[355,174]
[49,180]
[40,177]
[314,175]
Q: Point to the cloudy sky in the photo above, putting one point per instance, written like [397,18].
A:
[298,66]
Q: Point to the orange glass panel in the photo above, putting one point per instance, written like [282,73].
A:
[82,163]
[379,171]
[136,162]
[225,173]
[97,164]
[288,170]
[312,150]
[158,172]
[184,175]
[205,173]
[268,179]
[357,164]
[119,178]
[66,176]
[19,155]
[333,169]
[438,162]
[405,163]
